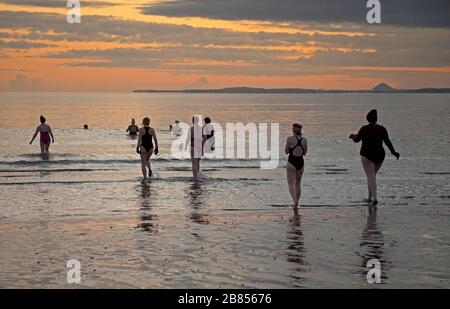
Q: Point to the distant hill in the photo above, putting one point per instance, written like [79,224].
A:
[249,90]
[383,87]
[380,88]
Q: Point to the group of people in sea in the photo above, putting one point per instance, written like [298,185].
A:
[198,139]
[372,136]
[372,153]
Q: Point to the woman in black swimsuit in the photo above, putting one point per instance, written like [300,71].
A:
[372,152]
[296,147]
[145,146]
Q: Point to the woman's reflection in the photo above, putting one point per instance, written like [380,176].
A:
[372,244]
[147,218]
[296,248]
[195,197]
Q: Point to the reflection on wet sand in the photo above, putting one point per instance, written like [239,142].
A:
[196,199]
[372,244]
[147,219]
[296,249]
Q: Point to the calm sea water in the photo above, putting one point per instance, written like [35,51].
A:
[235,229]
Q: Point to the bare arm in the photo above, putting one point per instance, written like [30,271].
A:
[287,148]
[204,138]
[128,130]
[34,136]
[156,142]
[389,145]
[139,142]
[51,134]
[188,139]
[357,138]
[204,133]
[305,146]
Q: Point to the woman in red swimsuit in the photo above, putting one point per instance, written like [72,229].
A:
[46,133]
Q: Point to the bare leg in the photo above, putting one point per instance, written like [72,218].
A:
[378,167]
[144,162]
[47,147]
[193,161]
[195,167]
[298,184]
[369,197]
[42,148]
[149,166]
[291,173]
[370,170]
[296,218]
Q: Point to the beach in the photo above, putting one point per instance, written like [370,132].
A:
[235,229]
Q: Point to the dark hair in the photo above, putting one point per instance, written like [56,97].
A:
[86,127]
[372,116]
[42,118]
[207,120]
[297,128]
[146,121]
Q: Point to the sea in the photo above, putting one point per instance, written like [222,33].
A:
[236,228]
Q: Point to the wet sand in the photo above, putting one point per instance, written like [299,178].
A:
[323,247]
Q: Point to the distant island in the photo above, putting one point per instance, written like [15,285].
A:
[380,88]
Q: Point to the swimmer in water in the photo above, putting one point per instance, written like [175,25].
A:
[133,129]
[146,147]
[372,152]
[46,133]
[176,130]
[296,147]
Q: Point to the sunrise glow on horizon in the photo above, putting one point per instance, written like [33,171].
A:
[124,45]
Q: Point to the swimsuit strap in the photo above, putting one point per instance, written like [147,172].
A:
[299,144]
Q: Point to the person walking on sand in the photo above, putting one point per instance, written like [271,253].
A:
[372,152]
[145,146]
[46,133]
[195,140]
[133,129]
[296,147]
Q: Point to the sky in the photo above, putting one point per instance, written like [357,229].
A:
[121,45]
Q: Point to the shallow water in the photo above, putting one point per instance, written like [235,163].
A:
[235,229]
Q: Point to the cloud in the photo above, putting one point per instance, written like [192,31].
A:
[411,13]
[23,44]
[203,51]
[22,83]
[54,3]
[200,83]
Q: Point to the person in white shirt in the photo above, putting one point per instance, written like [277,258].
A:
[208,135]
[195,140]
[176,130]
